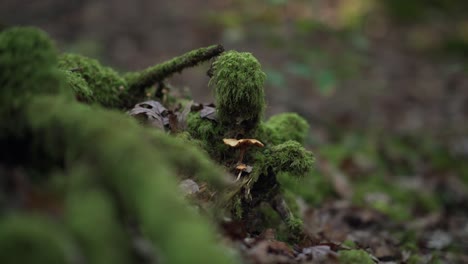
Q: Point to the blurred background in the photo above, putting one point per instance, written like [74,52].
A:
[395,65]
[383,84]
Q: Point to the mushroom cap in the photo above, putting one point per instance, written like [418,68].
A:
[245,142]
[244,167]
[241,167]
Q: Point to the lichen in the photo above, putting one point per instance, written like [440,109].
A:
[238,82]
[107,86]
[355,256]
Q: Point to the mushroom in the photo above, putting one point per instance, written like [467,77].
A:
[242,167]
[242,145]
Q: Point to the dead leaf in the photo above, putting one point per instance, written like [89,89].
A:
[151,112]
[208,112]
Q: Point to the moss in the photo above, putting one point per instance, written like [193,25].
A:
[113,149]
[238,82]
[188,159]
[92,216]
[108,88]
[79,86]
[27,60]
[138,81]
[34,239]
[289,157]
[283,127]
[211,135]
[355,256]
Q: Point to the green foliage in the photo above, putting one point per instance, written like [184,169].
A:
[355,256]
[33,239]
[107,87]
[283,127]
[238,81]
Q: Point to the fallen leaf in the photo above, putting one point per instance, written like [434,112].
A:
[151,112]
[208,112]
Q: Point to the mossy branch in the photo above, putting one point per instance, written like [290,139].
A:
[140,80]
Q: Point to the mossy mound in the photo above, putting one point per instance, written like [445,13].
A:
[238,83]
[283,127]
[106,85]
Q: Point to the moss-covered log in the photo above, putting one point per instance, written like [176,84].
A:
[108,88]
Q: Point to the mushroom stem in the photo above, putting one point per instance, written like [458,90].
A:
[239,175]
[241,154]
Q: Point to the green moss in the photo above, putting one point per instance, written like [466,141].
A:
[289,157]
[92,217]
[79,86]
[27,60]
[33,239]
[355,256]
[210,133]
[283,127]
[139,81]
[74,139]
[188,159]
[108,88]
[238,81]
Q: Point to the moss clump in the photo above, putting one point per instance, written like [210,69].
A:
[107,86]
[355,256]
[27,57]
[33,239]
[283,127]
[289,157]
[238,81]
[211,136]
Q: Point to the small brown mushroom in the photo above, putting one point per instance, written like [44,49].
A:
[242,145]
[243,167]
